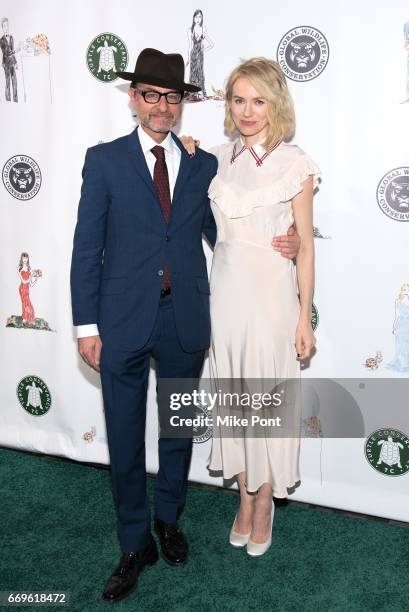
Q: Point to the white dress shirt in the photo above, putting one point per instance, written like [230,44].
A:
[172,157]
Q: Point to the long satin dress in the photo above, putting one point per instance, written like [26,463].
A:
[254,300]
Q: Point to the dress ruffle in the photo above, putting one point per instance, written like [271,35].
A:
[282,190]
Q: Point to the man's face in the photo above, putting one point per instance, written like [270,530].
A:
[6,27]
[159,117]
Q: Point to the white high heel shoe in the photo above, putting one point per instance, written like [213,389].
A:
[256,549]
[238,540]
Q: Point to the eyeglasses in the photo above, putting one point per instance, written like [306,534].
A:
[153,97]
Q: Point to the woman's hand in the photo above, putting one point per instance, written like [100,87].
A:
[190,144]
[304,340]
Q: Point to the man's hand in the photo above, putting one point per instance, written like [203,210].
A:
[90,350]
[288,245]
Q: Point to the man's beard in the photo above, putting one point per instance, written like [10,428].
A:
[148,122]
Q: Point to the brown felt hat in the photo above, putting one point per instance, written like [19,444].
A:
[162,69]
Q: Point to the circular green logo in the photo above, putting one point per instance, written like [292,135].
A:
[387,450]
[34,395]
[106,55]
[314,317]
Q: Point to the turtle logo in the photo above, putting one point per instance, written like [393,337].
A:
[89,436]
[22,177]
[34,395]
[303,53]
[314,317]
[371,363]
[393,194]
[106,55]
[387,451]
[204,430]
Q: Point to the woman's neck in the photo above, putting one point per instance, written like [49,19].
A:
[252,141]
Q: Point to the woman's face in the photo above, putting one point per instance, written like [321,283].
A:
[198,18]
[24,259]
[249,111]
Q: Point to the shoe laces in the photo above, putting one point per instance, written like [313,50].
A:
[126,560]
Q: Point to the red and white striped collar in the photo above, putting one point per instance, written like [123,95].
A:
[257,151]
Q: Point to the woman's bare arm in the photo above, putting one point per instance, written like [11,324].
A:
[302,210]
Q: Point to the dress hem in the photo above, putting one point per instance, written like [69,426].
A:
[278,492]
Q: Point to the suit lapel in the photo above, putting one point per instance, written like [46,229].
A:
[185,168]
[139,162]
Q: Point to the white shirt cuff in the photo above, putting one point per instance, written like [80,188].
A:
[83,331]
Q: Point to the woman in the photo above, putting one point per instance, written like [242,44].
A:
[261,329]
[27,280]
[400,363]
[197,35]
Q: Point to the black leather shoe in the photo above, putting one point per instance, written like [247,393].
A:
[173,543]
[124,579]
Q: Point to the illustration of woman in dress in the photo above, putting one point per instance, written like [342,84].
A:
[27,319]
[261,329]
[28,279]
[198,42]
[406,46]
[400,363]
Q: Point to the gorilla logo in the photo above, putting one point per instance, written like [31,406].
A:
[400,194]
[22,177]
[302,53]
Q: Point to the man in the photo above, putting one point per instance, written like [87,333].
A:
[9,62]
[139,273]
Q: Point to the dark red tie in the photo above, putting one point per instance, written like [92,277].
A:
[161,182]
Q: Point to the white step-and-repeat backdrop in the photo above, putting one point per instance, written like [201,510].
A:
[347,65]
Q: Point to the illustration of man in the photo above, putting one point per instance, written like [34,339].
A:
[9,62]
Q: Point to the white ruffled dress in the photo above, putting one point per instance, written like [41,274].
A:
[254,298]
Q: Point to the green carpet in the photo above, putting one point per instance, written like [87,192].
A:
[58,534]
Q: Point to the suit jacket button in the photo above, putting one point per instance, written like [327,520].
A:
[167,238]
[160,272]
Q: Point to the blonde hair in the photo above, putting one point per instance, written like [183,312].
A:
[267,77]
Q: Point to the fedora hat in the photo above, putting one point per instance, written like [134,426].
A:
[163,69]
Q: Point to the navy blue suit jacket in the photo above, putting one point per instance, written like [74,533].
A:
[122,242]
